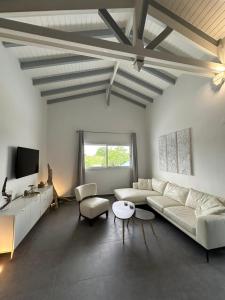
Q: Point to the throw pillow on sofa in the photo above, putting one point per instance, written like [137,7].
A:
[193,198]
[176,192]
[158,185]
[144,184]
[209,205]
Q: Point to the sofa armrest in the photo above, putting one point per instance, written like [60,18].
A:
[135,185]
[210,231]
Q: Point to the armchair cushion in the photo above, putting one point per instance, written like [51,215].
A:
[93,207]
[85,190]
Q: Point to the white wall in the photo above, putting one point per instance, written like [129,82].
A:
[91,114]
[22,120]
[192,103]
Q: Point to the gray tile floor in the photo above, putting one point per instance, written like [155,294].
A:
[61,259]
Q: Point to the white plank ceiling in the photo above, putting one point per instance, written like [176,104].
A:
[206,15]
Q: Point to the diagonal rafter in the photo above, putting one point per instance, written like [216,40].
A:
[75,43]
[116,65]
[98,33]
[108,90]
[111,24]
[158,40]
[140,14]
[26,7]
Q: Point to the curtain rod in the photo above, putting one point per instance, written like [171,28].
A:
[104,132]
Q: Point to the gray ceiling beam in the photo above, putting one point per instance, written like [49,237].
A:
[132,91]
[73,88]
[111,24]
[143,15]
[128,99]
[28,7]
[158,40]
[71,76]
[11,45]
[98,33]
[53,61]
[163,76]
[141,82]
[75,97]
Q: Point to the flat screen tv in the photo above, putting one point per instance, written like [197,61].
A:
[27,162]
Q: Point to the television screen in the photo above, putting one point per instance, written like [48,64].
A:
[27,162]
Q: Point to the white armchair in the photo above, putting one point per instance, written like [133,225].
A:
[90,206]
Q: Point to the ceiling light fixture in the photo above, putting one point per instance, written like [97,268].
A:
[219,79]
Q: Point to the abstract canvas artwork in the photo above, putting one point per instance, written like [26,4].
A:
[162,153]
[184,151]
[171,143]
[175,152]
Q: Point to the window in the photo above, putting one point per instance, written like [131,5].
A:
[118,156]
[106,156]
[95,156]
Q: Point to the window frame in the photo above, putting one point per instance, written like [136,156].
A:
[107,166]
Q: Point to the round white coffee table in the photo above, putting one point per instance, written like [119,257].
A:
[123,210]
[144,215]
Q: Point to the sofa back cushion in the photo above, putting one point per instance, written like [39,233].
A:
[158,185]
[193,198]
[222,200]
[144,184]
[176,192]
[209,205]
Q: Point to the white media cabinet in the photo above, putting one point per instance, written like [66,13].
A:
[17,219]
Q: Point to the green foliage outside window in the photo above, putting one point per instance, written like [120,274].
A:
[103,156]
[96,160]
[118,156]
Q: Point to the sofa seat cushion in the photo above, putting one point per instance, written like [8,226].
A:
[176,192]
[93,207]
[134,195]
[183,216]
[161,202]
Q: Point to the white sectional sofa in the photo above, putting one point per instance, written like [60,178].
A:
[199,215]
